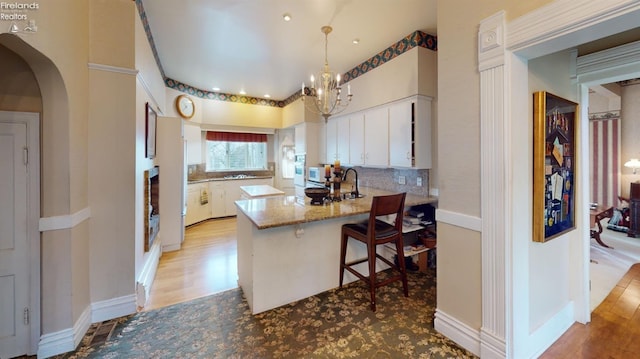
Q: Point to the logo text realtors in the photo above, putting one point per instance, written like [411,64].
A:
[4,6]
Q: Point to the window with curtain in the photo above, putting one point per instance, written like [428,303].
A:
[233,151]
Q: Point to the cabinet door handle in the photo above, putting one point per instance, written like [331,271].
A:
[408,155]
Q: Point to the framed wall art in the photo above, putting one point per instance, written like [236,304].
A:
[554,159]
[151,125]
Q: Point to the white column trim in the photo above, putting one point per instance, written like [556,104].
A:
[67,221]
[496,188]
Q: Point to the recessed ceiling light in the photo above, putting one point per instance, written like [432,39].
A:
[267,95]
[286,17]
[242,92]
[216,89]
[356,41]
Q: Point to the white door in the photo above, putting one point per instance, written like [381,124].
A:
[14,244]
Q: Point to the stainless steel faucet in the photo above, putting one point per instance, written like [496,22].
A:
[355,193]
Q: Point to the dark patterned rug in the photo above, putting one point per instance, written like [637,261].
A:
[334,324]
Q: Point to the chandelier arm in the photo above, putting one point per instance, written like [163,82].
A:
[327,93]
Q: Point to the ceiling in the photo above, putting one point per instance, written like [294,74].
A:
[237,45]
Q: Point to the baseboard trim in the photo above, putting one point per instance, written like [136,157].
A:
[171,247]
[65,340]
[461,333]
[542,338]
[145,280]
[491,346]
[113,308]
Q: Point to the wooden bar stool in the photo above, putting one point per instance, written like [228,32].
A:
[375,232]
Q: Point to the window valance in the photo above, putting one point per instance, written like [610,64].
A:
[236,136]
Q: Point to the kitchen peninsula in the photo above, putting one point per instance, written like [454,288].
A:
[289,249]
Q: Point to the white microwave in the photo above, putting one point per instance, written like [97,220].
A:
[315,174]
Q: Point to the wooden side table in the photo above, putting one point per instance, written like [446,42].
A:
[598,215]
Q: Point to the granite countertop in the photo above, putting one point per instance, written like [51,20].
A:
[288,210]
[261,190]
[226,179]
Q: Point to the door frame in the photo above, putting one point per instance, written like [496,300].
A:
[32,122]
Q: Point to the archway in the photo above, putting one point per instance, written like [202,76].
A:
[38,87]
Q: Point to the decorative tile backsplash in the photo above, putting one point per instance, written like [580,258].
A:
[389,178]
[382,178]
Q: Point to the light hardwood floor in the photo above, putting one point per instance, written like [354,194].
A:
[206,264]
[614,329]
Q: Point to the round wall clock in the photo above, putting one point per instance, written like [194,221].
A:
[185,106]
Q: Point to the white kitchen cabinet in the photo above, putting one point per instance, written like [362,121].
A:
[337,140]
[198,207]
[401,134]
[232,194]
[410,133]
[217,197]
[376,137]
[356,139]
[331,140]
[342,139]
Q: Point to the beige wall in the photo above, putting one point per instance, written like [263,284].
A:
[458,138]
[57,56]
[20,90]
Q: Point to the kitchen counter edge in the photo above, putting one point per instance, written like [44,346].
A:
[290,210]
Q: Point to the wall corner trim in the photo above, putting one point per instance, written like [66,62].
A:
[461,333]
[67,221]
[65,340]
[148,273]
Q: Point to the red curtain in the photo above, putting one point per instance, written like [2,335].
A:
[236,136]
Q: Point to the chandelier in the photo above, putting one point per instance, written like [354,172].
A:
[326,93]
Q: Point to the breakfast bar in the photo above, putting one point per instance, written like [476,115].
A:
[289,249]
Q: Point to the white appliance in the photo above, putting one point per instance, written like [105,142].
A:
[316,174]
[299,168]
[299,174]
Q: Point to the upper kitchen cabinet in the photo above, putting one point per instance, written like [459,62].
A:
[307,141]
[356,139]
[410,133]
[337,140]
[376,137]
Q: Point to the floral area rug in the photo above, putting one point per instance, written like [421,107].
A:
[334,324]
